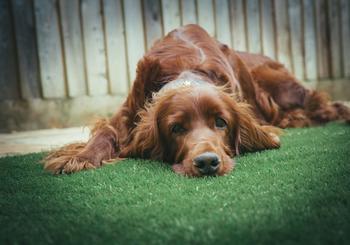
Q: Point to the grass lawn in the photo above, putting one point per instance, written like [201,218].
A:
[297,194]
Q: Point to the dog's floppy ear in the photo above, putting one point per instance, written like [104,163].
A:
[145,137]
[148,75]
[252,135]
[247,134]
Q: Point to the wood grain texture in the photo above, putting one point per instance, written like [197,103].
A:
[238,31]
[335,38]
[27,52]
[322,32]
[310,40]
[188,12]
[206,16]
[345,33]
[171,15]
[222,21]
[153,21]
[50,49]
[8,63]
[268,29]
[73,47]
[116,47]
[135,38]
[253,26]
[296,34]
[94,47]
[282,33]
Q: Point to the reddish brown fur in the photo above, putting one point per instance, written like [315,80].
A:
[250,93]
[297,106]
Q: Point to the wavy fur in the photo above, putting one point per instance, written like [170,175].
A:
[254,93]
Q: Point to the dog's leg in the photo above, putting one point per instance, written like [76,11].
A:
[343,111]
[108,137]
[102,146]
[298,106]
[295,118]
[321,110]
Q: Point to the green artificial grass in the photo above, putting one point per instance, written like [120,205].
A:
[297,194]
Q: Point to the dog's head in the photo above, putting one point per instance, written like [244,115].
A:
[198,129]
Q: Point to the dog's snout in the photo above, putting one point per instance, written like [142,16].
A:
[207,163]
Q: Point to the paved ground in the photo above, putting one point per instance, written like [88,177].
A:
[40,140]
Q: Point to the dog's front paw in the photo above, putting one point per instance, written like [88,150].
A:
[66,160]
[275,138]
[67,164]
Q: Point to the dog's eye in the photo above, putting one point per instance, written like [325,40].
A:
[177,129]
[220,123]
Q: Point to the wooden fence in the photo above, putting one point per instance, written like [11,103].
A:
[63,61]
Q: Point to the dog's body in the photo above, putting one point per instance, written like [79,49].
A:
[195,103]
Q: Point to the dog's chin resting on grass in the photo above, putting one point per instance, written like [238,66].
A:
[196,104]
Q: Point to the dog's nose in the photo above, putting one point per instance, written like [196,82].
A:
[207,163]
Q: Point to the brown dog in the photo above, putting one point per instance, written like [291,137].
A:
[196,104]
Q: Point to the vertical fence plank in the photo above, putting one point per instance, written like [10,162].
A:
[73,47]
[134,34]
[188,11]
[115,46]
[253,26]
[238,25]
[282,33]
[295,16]
[153,23]
[335,45]
[28,64]
[50,49]
[171,15]
[345,24]
[268,30]
[322,31]
[222,21]
[206,16]
[310,40]
[8,72]
[94,47]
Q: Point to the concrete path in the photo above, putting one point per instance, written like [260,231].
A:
[40,140]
